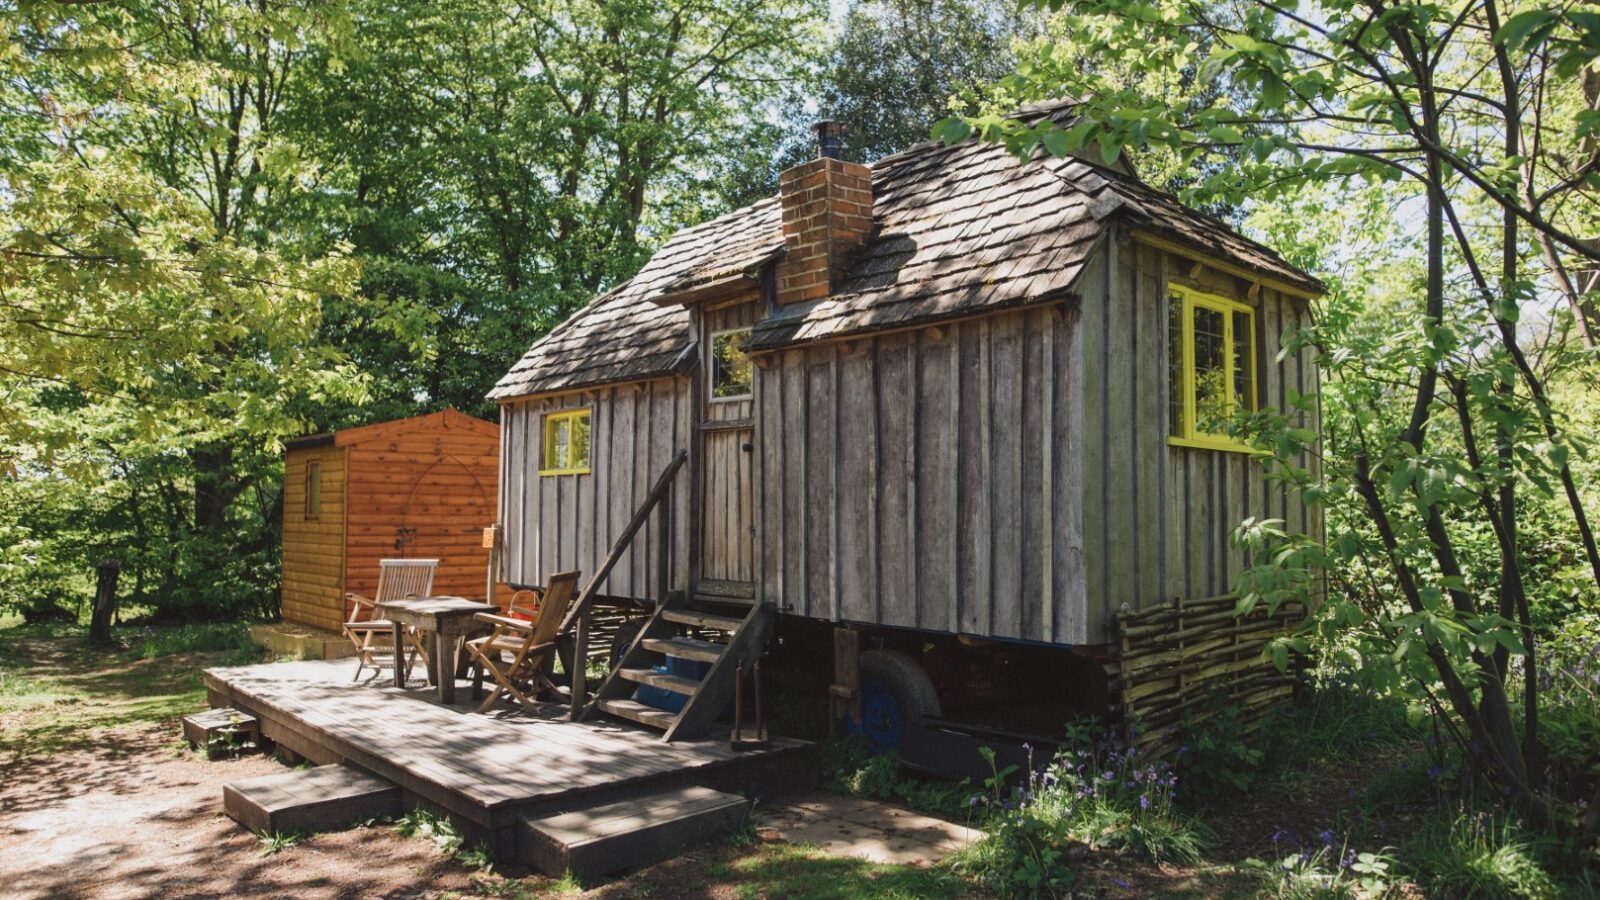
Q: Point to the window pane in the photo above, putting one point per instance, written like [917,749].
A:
[563,432]
[313,489]
[731,370]
[1243,360]
[1175,366]
[580,442]
[1210,371]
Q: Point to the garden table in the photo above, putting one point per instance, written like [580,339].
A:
[445,623]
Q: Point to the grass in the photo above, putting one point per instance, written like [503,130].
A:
[777,871]
[56,688]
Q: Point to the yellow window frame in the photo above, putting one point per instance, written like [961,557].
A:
[552,424]
[1192,298]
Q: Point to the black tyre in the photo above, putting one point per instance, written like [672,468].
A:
[895,694]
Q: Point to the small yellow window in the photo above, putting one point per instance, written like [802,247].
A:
[566,443]
[1211,366]
[313,489]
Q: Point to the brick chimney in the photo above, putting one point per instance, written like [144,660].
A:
[827,213]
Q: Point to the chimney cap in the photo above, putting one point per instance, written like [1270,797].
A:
[829,132]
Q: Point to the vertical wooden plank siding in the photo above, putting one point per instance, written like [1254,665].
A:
[916,473]
[312,592]
[1159,519]
[570,521]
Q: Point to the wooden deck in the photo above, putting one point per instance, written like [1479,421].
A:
[488,770]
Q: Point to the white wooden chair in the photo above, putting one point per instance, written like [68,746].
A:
[374,638]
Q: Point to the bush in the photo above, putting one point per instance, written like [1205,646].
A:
[1096,792]
[1478,855]
[850,768]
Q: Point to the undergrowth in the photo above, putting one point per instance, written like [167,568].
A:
[848,767]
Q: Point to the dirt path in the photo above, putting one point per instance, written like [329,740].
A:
[134,816]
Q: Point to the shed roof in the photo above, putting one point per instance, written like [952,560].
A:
[958,229]
[449,417]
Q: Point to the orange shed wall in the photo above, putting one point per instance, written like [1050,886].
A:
[432,490]
[313,549]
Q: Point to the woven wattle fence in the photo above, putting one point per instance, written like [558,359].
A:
[1172,661]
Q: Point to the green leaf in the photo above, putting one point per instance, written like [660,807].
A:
[1525,27]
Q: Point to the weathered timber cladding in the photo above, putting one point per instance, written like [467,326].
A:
[1158,518]
[556,523]
[313,548]
[919,479]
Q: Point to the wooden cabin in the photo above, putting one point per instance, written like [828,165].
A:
[948,394]
[421,488]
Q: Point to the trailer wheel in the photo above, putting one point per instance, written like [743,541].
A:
[895,693]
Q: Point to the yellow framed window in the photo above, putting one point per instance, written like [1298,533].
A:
[566,443]
[731,373]
[313,489]
[1211,368]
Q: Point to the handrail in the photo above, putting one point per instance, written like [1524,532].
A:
[577,618]
[662,485]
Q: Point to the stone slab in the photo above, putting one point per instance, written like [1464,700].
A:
[865,829]
[295,641]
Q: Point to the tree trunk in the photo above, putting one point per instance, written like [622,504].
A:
[214,487]
[105,601]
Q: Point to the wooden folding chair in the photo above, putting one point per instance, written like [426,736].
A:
[529,643]
[373,638]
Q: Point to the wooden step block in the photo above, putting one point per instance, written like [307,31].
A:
[635,711]
[301,801]
[674,683]
[702,619]
[685,648]
[223,727]
[603,839]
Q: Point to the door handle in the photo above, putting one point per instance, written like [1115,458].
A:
[747,446]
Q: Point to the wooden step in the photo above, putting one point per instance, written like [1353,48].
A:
[302,801]
[674,683]
[685,648]
[626,834]
[635,711]
[224,729]
[702,619]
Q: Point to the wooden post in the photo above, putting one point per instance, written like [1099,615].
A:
[105,601]
[664,548]
[580,666]
[491,539]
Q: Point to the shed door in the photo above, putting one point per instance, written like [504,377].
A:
[728,540]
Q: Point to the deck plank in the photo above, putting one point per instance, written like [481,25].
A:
[479,765]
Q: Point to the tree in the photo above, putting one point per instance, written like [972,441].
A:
[1471,119]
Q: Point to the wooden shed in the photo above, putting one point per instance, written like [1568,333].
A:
[421,488]
[952,393]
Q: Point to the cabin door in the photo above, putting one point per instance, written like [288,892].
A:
[728,541]
[727,452]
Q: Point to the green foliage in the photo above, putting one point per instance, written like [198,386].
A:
[1095,793]
[1326,874]
[1216,756]
[436,828]
[278,841]
[847,766]
[1478,855]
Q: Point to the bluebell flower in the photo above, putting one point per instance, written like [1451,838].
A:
[1327,836]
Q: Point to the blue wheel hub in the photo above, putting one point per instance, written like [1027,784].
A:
[883,718]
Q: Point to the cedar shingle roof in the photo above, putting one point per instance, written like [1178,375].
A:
[623,336]
[959,229]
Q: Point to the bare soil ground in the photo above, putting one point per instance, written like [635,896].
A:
[132,815]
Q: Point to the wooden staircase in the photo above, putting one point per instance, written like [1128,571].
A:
[723,641]
[679,630]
